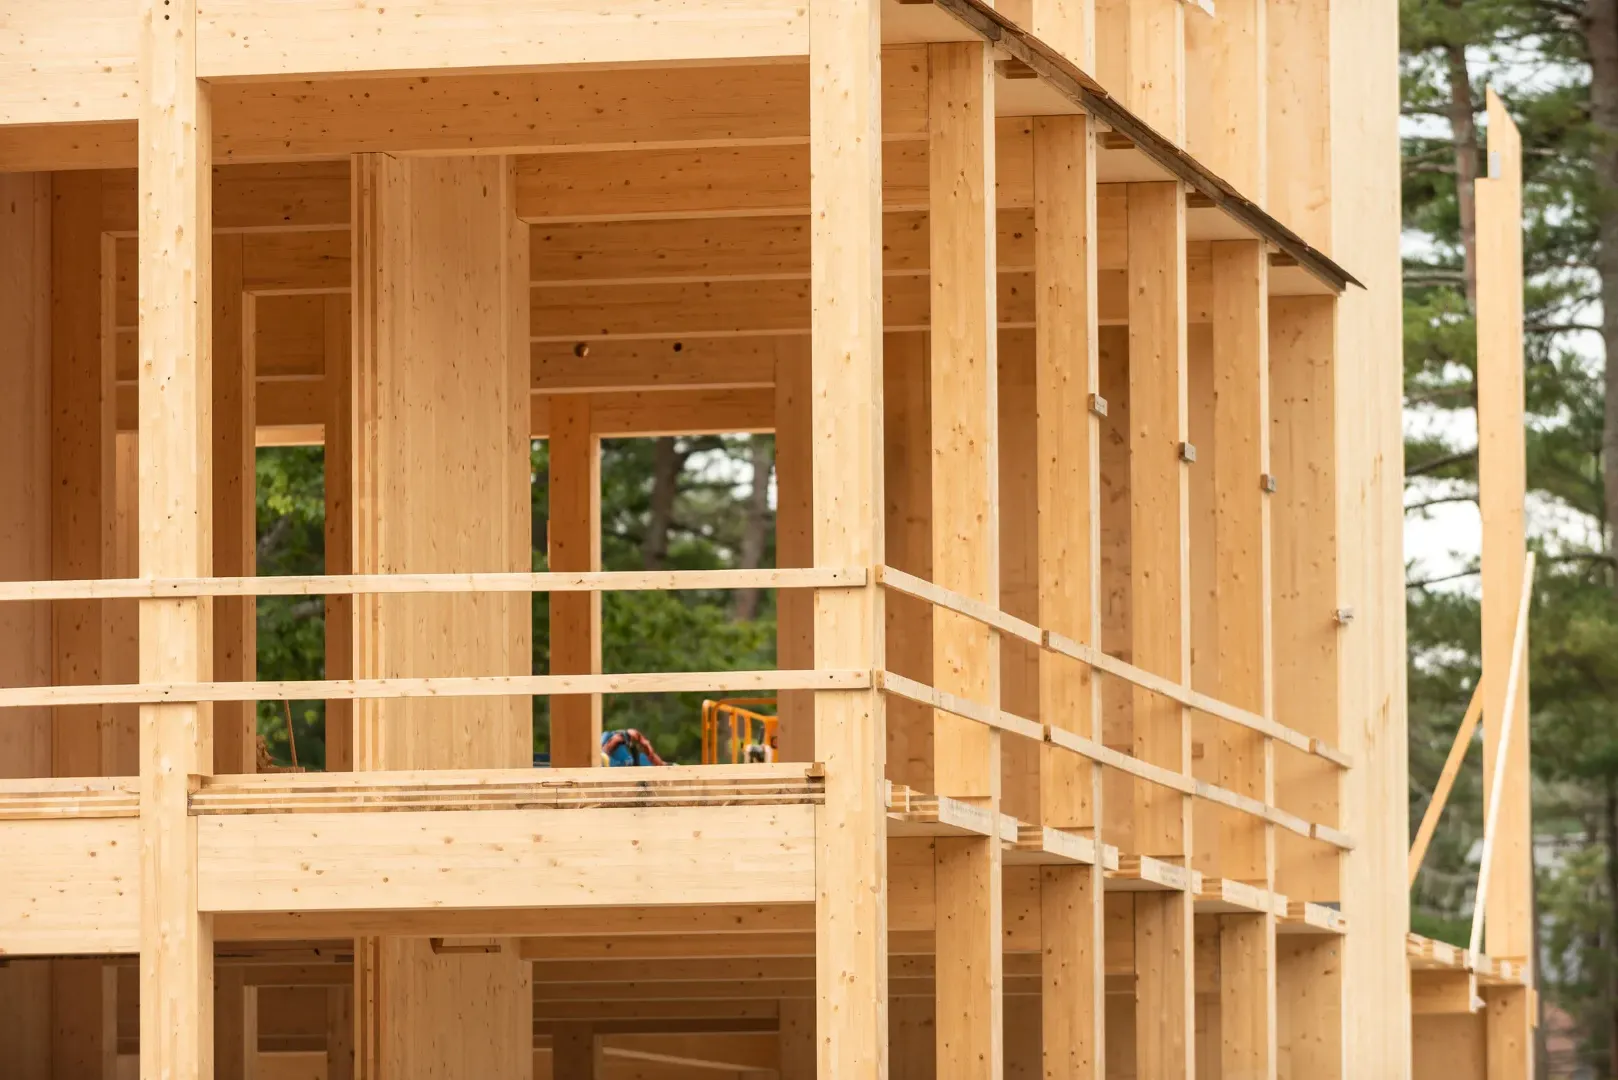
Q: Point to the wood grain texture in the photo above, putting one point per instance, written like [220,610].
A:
[441,470]
[851,863]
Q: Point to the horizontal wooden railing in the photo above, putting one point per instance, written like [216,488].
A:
[368,584]
[926,591]
[910,585]
[665,682]
[441,686]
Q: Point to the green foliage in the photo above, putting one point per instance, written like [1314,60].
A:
[1535,53]
[292,629]
[645,631]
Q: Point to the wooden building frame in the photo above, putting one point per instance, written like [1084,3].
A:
[1077,325]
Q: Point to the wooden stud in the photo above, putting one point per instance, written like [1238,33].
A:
[794,543]
[176,533]
[338,465]
[576,1053]
[1501,488]
[235,1025]
[845,148]
[908,479]
[122,632]
[235,454]
[1020,657]
[796,1040]
[340,1031]
[574,535]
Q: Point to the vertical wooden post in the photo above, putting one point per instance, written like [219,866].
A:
[845,196]
[1241,585]
[797,1039]
[82,515]
[122,630]
[1016,385]
[1501,490]
[1502,487]
[1365,212]
[966,660]
[913,1032]
[82,485]
[908,531]
[575,544]
[576,1053]
[794,543]
[25,554]
[1310,997]
[438,249]
[176,533]
[1161,616]
[338,462]
[235,449]
[235,1025]
[340,1033]
[1067,452]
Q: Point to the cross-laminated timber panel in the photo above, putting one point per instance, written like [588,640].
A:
[408,860]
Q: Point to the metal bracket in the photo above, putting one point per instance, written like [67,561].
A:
[1188,453]
[1098,404]
[1344,615]
[1266,483]
[441,949]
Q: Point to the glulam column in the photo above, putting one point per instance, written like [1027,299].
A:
[1068,530]
[1161,611]
[845,195]
[965,541]
[176,534]
[441,445]
[1241,588]
[574,536]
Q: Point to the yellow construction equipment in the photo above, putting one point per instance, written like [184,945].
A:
[740,718]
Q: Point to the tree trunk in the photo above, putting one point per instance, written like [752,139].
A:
[667,463]
[1463,126]
[1611,836]
[755,531]
[1601,28]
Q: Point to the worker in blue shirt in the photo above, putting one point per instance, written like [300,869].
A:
[628,747]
